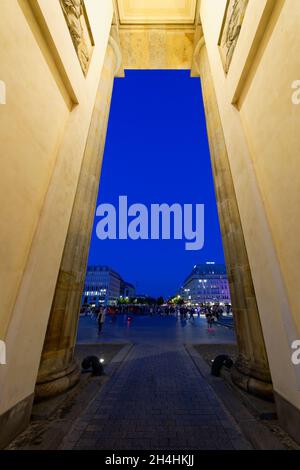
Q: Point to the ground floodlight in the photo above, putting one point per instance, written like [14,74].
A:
[92,362]
[219,362]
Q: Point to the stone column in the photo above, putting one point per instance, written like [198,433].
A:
[251,370]
[58,370]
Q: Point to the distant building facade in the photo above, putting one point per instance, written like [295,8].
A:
[127,289]
[104,286]
[206,283]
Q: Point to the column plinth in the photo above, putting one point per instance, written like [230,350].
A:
[252,380]
[55,383]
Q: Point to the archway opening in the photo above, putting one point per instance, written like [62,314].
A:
[156,153]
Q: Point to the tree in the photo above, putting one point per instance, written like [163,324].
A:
[176,299]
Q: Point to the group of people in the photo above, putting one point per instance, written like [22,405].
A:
[211,312]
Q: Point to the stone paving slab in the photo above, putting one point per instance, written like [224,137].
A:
[253,429]
[157,399]
[55,417]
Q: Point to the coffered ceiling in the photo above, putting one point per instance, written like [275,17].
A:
[139,12]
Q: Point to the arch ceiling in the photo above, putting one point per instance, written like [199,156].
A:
[157,12]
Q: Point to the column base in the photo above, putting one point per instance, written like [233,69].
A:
[289,416]
[252,385]
[15,420]
[54,384]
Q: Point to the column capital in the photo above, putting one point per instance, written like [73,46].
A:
[196,55]
[114,43]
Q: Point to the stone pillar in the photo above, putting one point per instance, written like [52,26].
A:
[58,370]
[251,370]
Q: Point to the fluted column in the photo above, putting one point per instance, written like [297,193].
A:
[58,370]
[251,370]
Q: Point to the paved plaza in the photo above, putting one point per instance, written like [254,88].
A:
[154,329]
[157,399]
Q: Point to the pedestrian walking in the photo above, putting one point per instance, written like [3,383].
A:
[101,319]
[209,319]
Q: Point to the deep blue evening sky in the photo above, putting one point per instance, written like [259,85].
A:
[157,152]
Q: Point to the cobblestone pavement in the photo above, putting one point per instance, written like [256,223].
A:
[156,400]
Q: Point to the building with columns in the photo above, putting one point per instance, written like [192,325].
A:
[57,74]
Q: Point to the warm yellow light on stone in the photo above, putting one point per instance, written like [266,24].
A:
[157,11]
